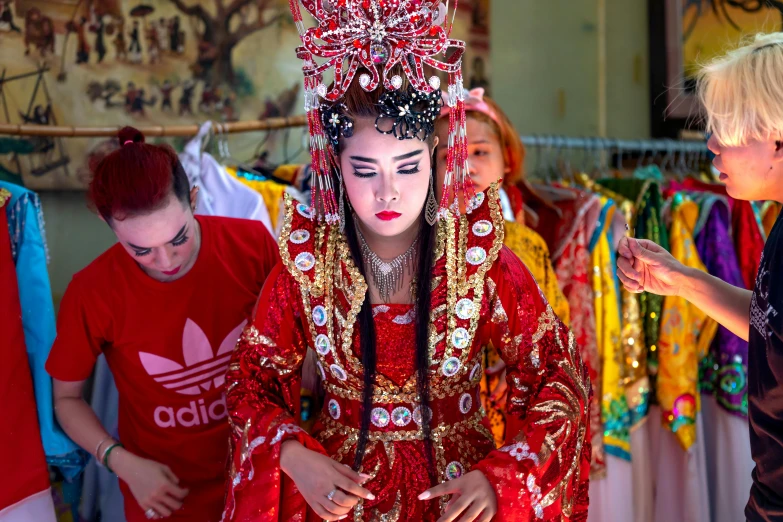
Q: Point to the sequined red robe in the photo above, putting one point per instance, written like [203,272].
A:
[313,298]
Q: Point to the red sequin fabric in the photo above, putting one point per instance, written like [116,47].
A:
[481,294]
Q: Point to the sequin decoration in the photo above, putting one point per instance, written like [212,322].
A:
[401,416]
[465,309]
[338,372]
[476,255]
[379,53]
[454,470]
[465,403]
[334,409]
[520,451]
[305,261]
[396,81]
[535,496]
[417,417]
[478,200]
[319,315]
[482,228]
[304,211]
[322,344]
[474,373]
[434,82]
[299,236]
[460,338]
[450,367]
[379,417]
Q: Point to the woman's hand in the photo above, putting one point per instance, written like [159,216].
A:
[153,485]
[473,498]
[647,267]
[331,489]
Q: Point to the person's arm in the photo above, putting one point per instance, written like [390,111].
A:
[276,468]
[78,419]
[154,486]
[542,472]
[727,304]
[647,267]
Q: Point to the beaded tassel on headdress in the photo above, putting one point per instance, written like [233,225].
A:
[375,36]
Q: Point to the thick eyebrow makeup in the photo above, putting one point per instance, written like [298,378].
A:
[396,158]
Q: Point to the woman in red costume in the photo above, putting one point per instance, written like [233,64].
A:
[397,294]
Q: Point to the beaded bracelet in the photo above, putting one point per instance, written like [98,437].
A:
[108,452]
[98,447]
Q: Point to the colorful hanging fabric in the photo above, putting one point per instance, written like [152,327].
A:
[723,372]
[531,248]
[633,349]
[686,333]
[30,255]
[271,192]
[748,237]
[571,258]
[533,251]
[21,451]
[769,214]
[647,224]
[614,407]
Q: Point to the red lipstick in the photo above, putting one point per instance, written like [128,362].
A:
[387,215]
[173,272]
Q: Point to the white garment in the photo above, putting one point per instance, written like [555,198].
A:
[220,193]
[643,484]
[681,491]
[729,462]
[38,507]
[505,205]
[611,498]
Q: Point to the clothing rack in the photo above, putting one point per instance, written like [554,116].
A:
[613,145]
[152,130]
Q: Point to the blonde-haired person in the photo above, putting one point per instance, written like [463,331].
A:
[742,93]
[497,154]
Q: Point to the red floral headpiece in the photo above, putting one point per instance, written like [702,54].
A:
[369,38]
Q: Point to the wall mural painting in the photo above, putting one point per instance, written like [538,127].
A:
[118,62]
[158,62]
[698,31]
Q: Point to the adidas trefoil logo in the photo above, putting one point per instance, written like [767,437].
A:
[203,368]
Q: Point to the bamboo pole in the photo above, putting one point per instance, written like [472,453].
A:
[152,130]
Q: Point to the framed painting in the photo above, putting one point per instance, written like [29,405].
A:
[684,34]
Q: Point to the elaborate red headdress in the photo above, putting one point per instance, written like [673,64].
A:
[371,37]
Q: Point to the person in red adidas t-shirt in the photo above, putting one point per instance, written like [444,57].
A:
[166,305]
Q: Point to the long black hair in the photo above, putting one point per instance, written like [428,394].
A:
[362,104]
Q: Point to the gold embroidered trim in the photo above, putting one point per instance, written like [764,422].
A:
[5,196]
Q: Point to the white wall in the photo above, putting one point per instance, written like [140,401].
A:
[545,66]
[75,236]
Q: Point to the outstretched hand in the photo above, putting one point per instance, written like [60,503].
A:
[647,267]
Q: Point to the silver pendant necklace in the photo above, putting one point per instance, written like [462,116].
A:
[388,275]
